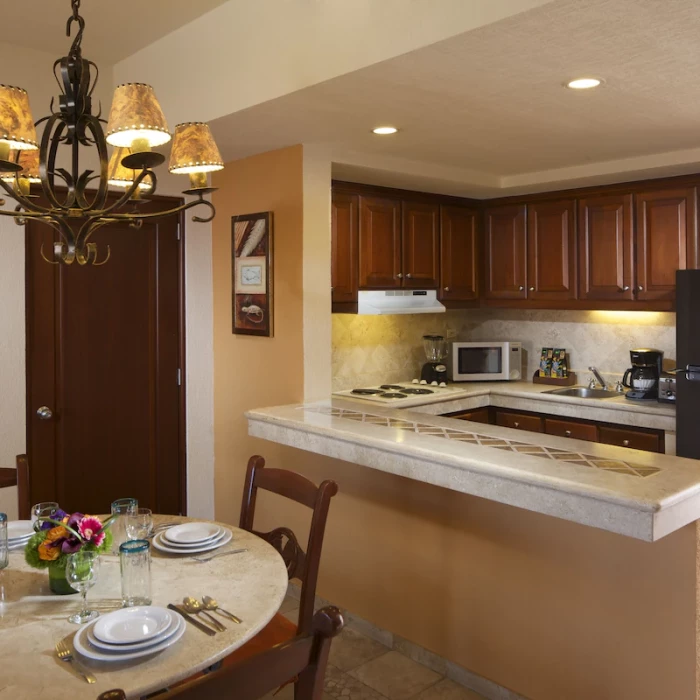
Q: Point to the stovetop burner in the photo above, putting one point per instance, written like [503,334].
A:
[419,392]
[367,392]
[392,395]
[392,387]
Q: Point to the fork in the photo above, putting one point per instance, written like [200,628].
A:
[65,654]
[218,554]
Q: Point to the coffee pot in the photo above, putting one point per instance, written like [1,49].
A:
[642,378]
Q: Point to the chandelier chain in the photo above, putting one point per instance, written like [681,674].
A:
[75,4]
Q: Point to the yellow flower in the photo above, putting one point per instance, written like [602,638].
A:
[47,552]
[56,533]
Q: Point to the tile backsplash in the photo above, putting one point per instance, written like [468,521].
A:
[370,350]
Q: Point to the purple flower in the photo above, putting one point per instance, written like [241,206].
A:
[74,520]
[71,545]
[57,516]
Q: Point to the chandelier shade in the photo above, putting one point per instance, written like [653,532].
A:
[136,119]
[17,130]
[29,162]
[194,150]
[119,176]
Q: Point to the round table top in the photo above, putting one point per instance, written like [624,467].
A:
[251,585]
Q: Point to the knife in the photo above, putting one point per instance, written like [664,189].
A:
[191,619]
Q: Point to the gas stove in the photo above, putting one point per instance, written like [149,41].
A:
[414,392]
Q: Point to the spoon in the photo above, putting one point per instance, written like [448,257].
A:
[211,604]
[192,605]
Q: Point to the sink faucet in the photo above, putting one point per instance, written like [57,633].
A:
[600,379]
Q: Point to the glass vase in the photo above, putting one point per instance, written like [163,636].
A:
[57,581]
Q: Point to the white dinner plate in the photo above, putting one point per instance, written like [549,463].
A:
[163,545]
[195,545]
[19,528]
[131,625]
[192,533]
[137,646]
[83,647]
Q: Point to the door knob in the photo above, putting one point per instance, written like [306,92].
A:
[516,424]
[567,433]
[44,413]
[626,288]
[532,289]
[447,289]
[521,288]
[400,276]
[640,288]
[408,276]
[626,443]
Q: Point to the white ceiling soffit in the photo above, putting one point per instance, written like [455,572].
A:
[489,105]
[114,29]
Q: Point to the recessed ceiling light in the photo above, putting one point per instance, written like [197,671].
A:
[584,83]
[384,130]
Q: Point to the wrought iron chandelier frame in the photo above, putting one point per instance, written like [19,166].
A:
[73,124]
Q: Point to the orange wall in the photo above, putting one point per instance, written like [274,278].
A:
[548,608]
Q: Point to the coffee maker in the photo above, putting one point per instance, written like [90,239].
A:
[434,371]
[642,378]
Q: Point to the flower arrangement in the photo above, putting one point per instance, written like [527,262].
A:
[65,534]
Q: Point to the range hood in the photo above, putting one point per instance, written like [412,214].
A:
[399,301]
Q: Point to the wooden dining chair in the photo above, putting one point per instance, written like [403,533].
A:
[304,657]
[20,478]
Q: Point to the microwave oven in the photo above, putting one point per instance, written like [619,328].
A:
[484,362]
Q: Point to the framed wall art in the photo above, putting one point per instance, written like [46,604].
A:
[251,249]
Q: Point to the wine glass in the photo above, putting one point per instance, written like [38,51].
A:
[82,569]
[139,525]
[47,509]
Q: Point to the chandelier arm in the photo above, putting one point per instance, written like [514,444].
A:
[21,200]
[170,212]
[92,125]
[124,199]
[49,146]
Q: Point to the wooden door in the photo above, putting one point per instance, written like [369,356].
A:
[420,244]
[551,250]
[459,254]
[105,353]
[380,243]
[665,228]
[344,247]
[605,247]
[506,245]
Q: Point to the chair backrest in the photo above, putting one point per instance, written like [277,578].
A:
[20,478]
[305,657]
[300,564]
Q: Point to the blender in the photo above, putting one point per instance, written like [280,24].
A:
[434,371]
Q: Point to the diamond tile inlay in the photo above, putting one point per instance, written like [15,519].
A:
[576,458]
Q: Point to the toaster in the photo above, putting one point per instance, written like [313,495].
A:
[667,388]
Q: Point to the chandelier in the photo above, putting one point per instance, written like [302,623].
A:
[77,203]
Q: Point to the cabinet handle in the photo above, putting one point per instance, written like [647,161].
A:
[521,288]
[567,433]
[408,276]
[532,289]
[516,424]
[399,276]
[447,289]
[626,288]
[626,443]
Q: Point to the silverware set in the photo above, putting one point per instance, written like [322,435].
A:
[192,610]
[209,557]
[65,654]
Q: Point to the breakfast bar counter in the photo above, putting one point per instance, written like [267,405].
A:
[638,494]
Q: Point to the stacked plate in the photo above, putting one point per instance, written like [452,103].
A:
[18,533]
[129,634]
[192,538]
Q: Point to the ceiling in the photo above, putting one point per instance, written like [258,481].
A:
[115,29]
[491,104]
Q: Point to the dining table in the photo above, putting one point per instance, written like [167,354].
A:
[251,584]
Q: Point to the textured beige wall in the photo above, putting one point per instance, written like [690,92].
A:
[368,350]
[248,371]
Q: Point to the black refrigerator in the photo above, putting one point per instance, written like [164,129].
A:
[688,363]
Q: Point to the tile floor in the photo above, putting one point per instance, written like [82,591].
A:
[361,668]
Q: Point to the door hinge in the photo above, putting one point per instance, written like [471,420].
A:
[178,230]
[179,377]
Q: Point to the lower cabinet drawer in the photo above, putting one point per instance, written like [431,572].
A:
[571,429]
[519,420]
[478,415]
[629,438]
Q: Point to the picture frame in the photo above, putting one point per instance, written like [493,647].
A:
[251,272]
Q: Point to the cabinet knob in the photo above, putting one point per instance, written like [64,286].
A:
[408,276]
[626,288]
[516,424]
[447,289]
[640,288]
[332,288]
[521,288]
[567,433]
[532,289]
[399,276]
[626,443]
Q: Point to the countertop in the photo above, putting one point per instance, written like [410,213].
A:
[638,494]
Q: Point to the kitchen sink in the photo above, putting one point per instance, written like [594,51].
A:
[583,392]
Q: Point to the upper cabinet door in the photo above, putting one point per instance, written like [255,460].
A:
[505,247]
[551,250]
[421,244]
[605,247]
[665,236]
[380,243]
[344,247]
[459,254]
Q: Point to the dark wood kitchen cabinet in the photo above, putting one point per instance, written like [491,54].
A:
[344,247]
[420,244]
[380,243]
[605,254]
[551,250]
[665,226]
[505,248]
[459,254]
